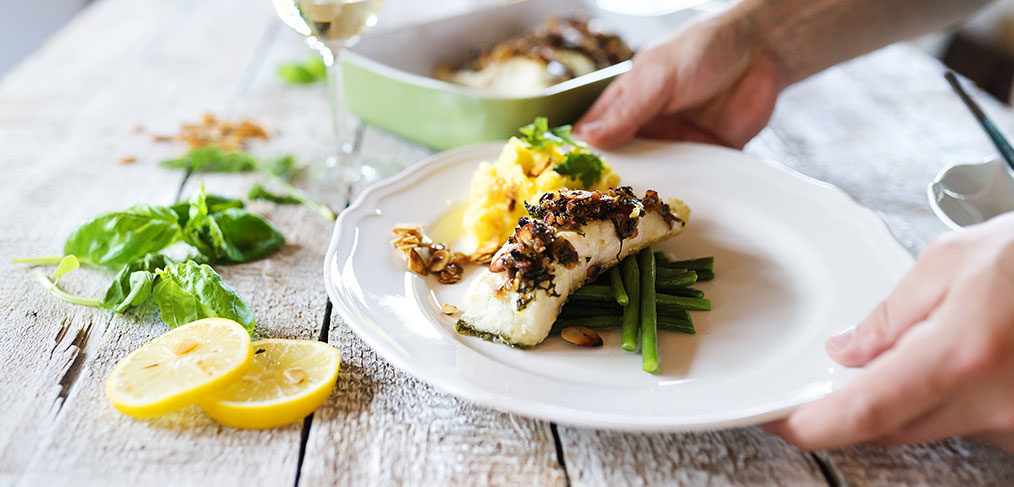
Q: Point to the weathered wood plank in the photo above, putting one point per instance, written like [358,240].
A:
[86,439]
[382,427]
[735,457]
[880,128]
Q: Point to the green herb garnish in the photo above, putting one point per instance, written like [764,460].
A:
[310,71]
[232,235]
[538,135]
[293,197]
[190,291]
[582,166]
[132,285]
[116,238]
[213,159]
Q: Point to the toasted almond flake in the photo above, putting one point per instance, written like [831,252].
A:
[128,160]
[293,376]
[581,336]
[449,309]
[185,345]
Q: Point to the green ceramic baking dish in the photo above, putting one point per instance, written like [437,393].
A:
[387,77]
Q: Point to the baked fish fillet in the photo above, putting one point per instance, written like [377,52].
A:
[567,240]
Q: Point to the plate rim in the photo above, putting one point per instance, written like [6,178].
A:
[550,412]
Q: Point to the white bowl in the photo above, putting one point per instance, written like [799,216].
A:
[966,194]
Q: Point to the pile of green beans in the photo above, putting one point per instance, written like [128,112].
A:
[645,293]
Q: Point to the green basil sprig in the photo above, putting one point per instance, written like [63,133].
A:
[132,285]
[190,291]
[232,235]
[115,239]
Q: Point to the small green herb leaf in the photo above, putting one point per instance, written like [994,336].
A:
[294,197]
[214,202]
[311,71]
[257,192]
[232,235]
[67,264]
[63,295]
[133,283]
[189,291]
[538,135]
[583,166]
[213,159]
[284,167]
[114,239]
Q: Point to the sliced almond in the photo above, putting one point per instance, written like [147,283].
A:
[449,309]
[581,336]
[293,376]
[185,345]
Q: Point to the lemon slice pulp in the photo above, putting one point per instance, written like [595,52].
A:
[289,379]
[180,368]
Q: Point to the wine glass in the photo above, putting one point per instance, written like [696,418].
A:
[330,26]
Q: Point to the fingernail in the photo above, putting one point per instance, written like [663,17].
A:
[842,340]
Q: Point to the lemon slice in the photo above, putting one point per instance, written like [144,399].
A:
[289,380]
[180,368]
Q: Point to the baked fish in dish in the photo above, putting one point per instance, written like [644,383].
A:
[567,240]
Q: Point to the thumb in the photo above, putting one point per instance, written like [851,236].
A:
[911,302]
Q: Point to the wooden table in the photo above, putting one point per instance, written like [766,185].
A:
[878,127]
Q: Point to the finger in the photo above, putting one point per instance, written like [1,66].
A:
[980,360]
[676,128]
[1001,439]
[600,106]
[899,386]
[739,113]
[638,98]
[910,302]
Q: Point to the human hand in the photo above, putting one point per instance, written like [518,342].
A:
[712,82]
[939,353]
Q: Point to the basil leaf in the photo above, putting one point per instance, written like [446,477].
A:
[284,167]
[189,291]
[114,239]
[257,192]
[213,159]
[133,283]
[214,202]
[583,166]
[67,263]
[311,71]
[233,236]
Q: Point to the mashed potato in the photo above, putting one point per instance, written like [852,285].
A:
[499,190]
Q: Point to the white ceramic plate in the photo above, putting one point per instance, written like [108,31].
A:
[796,262]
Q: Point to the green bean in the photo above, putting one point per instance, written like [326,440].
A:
[594,292]
[698,304]
[701,264]
[570,311]
[602,321]
[649,324]
[616,281]
[684,291]
[682,279]
[665,323]
[671,324]
[705,275]
[631,312]
[601,295]
[662,272]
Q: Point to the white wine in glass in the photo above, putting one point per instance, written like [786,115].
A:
[330,26]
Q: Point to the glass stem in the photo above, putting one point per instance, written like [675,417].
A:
[341,159]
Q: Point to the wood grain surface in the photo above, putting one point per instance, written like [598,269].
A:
[878,127]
